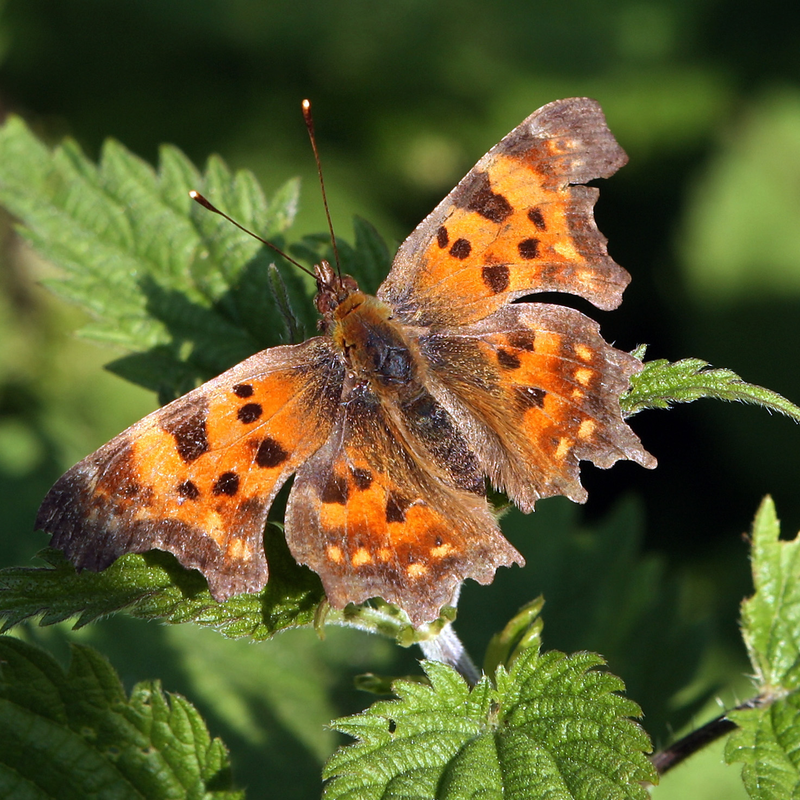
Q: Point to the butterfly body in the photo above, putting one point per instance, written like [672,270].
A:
[394,417]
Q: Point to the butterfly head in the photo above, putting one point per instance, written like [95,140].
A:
[333,290]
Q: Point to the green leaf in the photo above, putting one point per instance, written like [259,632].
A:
[523,630]
[554,726]
[155,586]
[76,734]
[661,383]
[156,272]
[771,618]
[768,739]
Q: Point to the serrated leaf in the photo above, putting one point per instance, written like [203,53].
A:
[768,742]
[554,726]
[77,735]
[156,272]
[771,617]
[155,586]
[768,738]
[661,383]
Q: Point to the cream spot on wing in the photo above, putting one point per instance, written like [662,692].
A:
[239,549]
[334,553]
[384,554]
[213,523]
[442,550]
[583,351]
[567,251]
[586,428]
[416,570]
[360,557]
[584,375]
[578,393]
[564,445]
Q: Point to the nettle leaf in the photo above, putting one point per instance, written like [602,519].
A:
[661,383]
[155,586]
[182,287]
[554,726]
[77,735]
[768,739]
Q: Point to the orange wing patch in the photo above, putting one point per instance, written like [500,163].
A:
[545,387]
[197,477]
[517,224]
[372,523]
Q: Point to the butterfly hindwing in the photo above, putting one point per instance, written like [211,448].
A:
[370,516]
[541,389]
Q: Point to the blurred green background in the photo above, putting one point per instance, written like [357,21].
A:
[704,96]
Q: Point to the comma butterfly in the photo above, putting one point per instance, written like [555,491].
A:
[393,418]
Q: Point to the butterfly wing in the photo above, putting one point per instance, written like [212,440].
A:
[197,477]
[520,222]
[392,506]
[537,389]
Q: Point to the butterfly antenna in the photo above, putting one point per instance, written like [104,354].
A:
[206,203]
[309,120]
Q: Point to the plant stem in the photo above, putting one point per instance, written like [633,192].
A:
[448,649]
[695,741]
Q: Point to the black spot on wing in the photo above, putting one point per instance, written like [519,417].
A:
[396,506]
[269,454]
[537,218]
[362,478]
[188,490]
[227,484]
[522,340]
[507,359]
[243,390]
[335,490]
[461,249]
[528,249]
[529,396]
[249,413]
[487,203]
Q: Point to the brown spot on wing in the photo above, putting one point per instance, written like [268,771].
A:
[536,216]
[270,454]
[461,249]
[227,484]
[187,424]
[532,179]
[479,197]
[496,277]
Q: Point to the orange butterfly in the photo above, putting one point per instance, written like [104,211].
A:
[394,417]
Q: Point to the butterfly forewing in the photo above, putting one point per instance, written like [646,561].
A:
[197,477]
[519,222]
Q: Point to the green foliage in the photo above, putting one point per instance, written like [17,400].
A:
[662,383]
[155,586]
[553,726]
[193,295]
[158,274]
[77,735]
[769,735]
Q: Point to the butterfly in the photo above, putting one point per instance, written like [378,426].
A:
[394,417]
